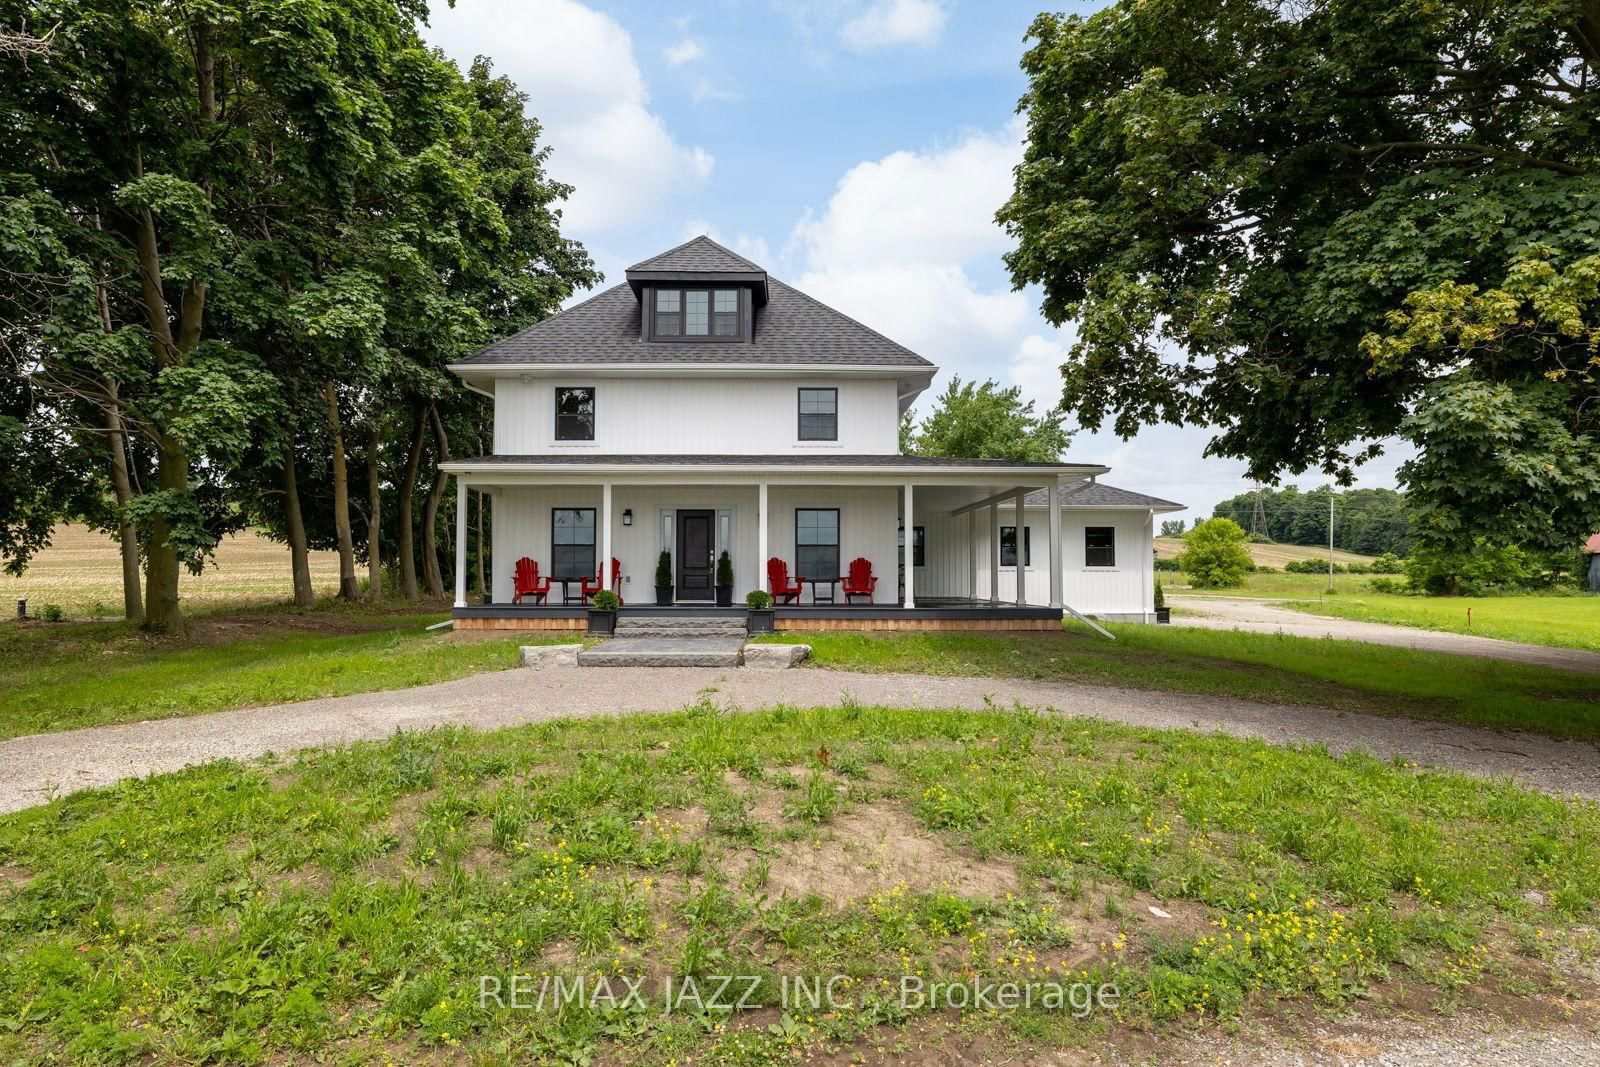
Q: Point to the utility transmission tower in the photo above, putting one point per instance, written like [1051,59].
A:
[1258,516]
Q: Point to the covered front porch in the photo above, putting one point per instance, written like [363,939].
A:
[815,514]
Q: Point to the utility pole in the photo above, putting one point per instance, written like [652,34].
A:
[1331,499]
[1258,515]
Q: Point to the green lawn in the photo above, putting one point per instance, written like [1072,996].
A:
[90,674]
[1277,584]
[1272,667]
[352,904]
[1562,621]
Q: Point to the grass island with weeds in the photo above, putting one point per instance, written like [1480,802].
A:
[346,902]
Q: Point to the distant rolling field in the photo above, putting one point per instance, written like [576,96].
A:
[1270,555]
[81,573]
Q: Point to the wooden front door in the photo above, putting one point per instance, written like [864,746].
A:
[696,568]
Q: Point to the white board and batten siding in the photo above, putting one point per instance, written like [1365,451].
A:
[1122,591]
[695,416]
[868,521]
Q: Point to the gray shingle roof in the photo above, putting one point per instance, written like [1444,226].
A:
[1099,495]
[830,459]
[792,328]
[699,253]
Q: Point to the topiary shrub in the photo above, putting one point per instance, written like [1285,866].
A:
[724,569]
[664,568]
[758,600]
[606,600]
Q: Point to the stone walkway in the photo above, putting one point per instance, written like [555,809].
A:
[34,768]
[1264,616]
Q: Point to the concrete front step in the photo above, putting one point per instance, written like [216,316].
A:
[645,630]
[628,651]
[692,623]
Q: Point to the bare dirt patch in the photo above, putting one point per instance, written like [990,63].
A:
[870,850]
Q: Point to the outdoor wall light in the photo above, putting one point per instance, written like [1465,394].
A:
[627,516]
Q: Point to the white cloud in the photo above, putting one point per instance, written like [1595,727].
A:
[583,83]
[898,243]
[706,93]
[684,51]
[894,22]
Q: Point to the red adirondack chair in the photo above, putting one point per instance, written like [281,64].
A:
[783,591]
[860,581]
[589,588]
[528,582]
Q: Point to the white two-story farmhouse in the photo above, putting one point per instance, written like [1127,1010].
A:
[704,407]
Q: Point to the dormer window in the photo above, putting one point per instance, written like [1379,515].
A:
[684,314]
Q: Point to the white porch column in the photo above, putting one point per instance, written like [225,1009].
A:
[972,554]
[1022,556]
[908,553]
[1056,561]
[461,541]
[994,552]
[605,535]
[762,555]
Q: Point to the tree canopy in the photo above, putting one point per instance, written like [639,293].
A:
[1318,225]
[245,239]
[1214,555]
[973,420]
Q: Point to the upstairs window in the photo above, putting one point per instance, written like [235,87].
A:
[1100,546]
[696,314]
[819,414]
[574,414]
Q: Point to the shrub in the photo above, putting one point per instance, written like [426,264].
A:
[1486,570]
[50,613]
[1214,556]
[758,600]
[1161,598]
[1357,568]
[606,600]
[664,568]
[1169,563]
[1315,566]
[724,569]
[1388,563]
[1386,585]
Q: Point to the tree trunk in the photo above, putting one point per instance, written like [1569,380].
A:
[299,548]
[127,535]
[406,546]
[430,511]
[374,520]
[161,611]
[348,589]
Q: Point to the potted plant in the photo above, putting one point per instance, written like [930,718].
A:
[724,580]
[759,601]
[603,612]
[664,579]
[1163,613]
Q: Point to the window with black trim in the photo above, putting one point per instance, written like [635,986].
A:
[1008,546]
[919,545]
[695,315]
[819,414]
[574,414]
[572,543]
[816,542]
[1099,546]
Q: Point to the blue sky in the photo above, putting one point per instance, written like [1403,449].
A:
[855,148]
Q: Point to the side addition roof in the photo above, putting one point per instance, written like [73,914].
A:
[1098,495]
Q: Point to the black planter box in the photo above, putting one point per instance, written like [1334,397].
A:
[663,596]
[761,621]
[603,623]
[724,596]
[1163,615]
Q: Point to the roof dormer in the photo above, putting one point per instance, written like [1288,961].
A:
[698,292]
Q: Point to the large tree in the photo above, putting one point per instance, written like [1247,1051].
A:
[1314,225]
[980,420]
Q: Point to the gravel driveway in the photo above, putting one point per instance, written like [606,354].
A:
[34,768]
[1264,616]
